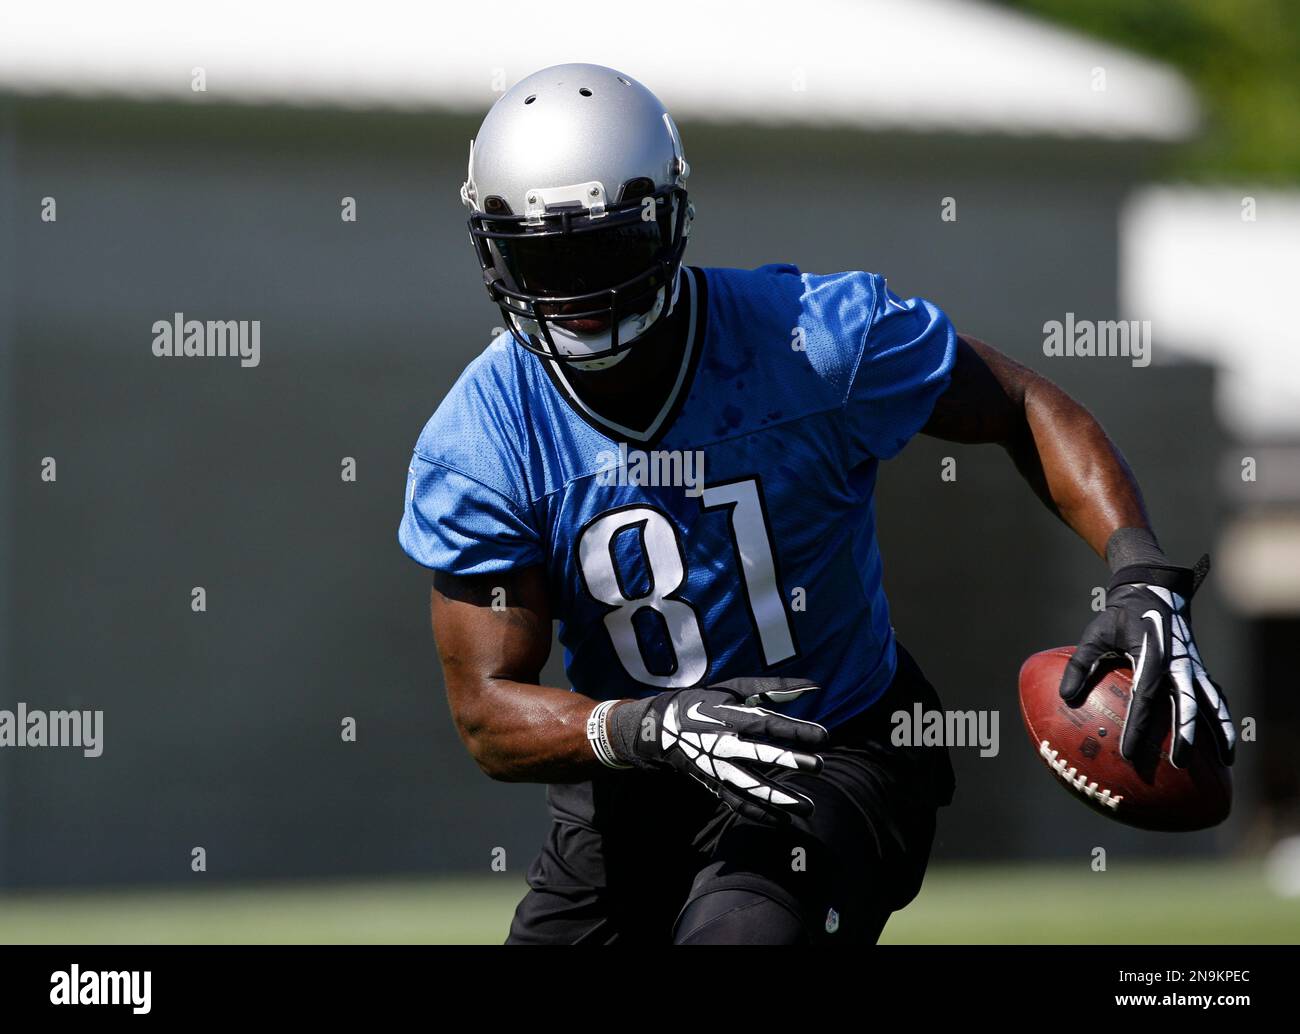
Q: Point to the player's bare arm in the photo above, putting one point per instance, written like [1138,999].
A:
[1081,476]
[1054,441]
[494,636]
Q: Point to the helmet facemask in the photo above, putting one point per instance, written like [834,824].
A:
[578,280]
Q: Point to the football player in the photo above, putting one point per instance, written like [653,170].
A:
[678,464]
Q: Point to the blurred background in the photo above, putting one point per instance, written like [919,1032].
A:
[1105,159]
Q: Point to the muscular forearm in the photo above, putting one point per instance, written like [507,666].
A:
[1074,467]
[518,732]
[494,635]
[1057,445]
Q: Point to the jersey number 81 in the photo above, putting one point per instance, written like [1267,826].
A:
[667,570]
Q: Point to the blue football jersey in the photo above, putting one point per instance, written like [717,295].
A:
[734,536]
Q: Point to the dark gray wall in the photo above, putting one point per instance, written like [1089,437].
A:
[8,427]
[222,729]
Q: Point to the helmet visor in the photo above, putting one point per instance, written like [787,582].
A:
[584,260]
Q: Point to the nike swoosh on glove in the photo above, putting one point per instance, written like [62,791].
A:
[1148,619]
[724,737]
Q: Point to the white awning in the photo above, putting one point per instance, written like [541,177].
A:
[1214,270]
[928,65]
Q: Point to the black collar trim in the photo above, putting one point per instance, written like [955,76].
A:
[696,285]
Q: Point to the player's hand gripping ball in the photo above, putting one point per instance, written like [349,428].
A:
[1081,747]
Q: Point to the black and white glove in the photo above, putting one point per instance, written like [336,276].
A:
[723,737]
[1148,619]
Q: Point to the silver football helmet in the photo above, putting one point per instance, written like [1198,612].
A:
[579,213]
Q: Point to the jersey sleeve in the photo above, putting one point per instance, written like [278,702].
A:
[904,365]
[454,523]
[468,507]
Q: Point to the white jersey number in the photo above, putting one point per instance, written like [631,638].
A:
[667,571]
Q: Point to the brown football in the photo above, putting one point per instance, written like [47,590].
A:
[1080,746]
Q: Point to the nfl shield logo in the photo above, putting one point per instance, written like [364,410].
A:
[832,921]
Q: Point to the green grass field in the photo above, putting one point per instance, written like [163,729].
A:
[1030,904]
